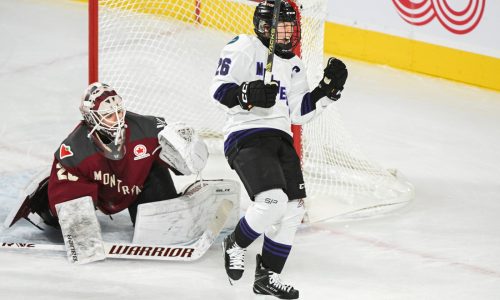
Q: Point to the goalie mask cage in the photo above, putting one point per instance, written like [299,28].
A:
[161,55]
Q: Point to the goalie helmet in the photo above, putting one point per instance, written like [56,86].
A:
[263,19]
[103,112]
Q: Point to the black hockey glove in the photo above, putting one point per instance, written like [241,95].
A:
[334,79]
[256,93]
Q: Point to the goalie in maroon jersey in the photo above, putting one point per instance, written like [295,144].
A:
[120,159]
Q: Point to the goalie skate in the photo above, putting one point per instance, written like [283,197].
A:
[36,202]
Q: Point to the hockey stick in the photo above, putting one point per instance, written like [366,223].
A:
[272,42]
[191,252]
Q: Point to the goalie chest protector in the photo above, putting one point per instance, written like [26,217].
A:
[80,170]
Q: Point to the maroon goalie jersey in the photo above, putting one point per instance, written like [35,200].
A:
[80,170]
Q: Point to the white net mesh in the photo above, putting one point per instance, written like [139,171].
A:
[161,56]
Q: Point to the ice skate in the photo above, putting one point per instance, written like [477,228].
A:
[234,258]
[269,283]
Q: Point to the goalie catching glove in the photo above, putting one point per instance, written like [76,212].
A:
[182,149]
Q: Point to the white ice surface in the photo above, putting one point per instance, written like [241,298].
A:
[444,136]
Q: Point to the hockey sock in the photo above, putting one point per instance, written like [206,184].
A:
[244,234]
[274,255]
[278,239]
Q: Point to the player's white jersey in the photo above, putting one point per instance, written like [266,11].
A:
[243,60]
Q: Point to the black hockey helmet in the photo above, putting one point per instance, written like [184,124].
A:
[262,21]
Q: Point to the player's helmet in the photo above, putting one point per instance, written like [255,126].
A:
[262,21]
[103,112]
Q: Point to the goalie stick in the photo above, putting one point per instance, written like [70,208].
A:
[190,252]
[272,42]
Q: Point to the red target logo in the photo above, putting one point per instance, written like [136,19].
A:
[421,12]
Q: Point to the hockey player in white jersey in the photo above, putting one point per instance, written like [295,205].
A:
[258,141]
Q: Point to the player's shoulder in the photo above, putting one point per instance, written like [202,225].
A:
[296,60]
[242,42]
[143,126]
[75,148]
[296,64]
[241,39]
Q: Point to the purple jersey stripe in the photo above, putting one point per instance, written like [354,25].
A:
[222,90]
[238,135]
[307,104]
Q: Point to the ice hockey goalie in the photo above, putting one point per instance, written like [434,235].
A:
[122,160]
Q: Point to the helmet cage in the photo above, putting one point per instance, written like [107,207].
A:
[103,111]
[99,119]
[112,150]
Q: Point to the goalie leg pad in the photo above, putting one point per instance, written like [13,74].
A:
[183,220]
[81,230]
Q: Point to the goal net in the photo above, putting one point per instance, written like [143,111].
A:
[161,56]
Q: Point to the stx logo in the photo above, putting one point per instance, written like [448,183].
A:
[457,21]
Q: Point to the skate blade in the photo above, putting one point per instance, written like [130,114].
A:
[259,296]
[263,297]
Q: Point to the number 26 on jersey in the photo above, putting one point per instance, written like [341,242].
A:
[223,67]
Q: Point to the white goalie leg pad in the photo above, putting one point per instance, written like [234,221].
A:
[268,208]
[183,220]
[182,148]
[284,231]
[81,230]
